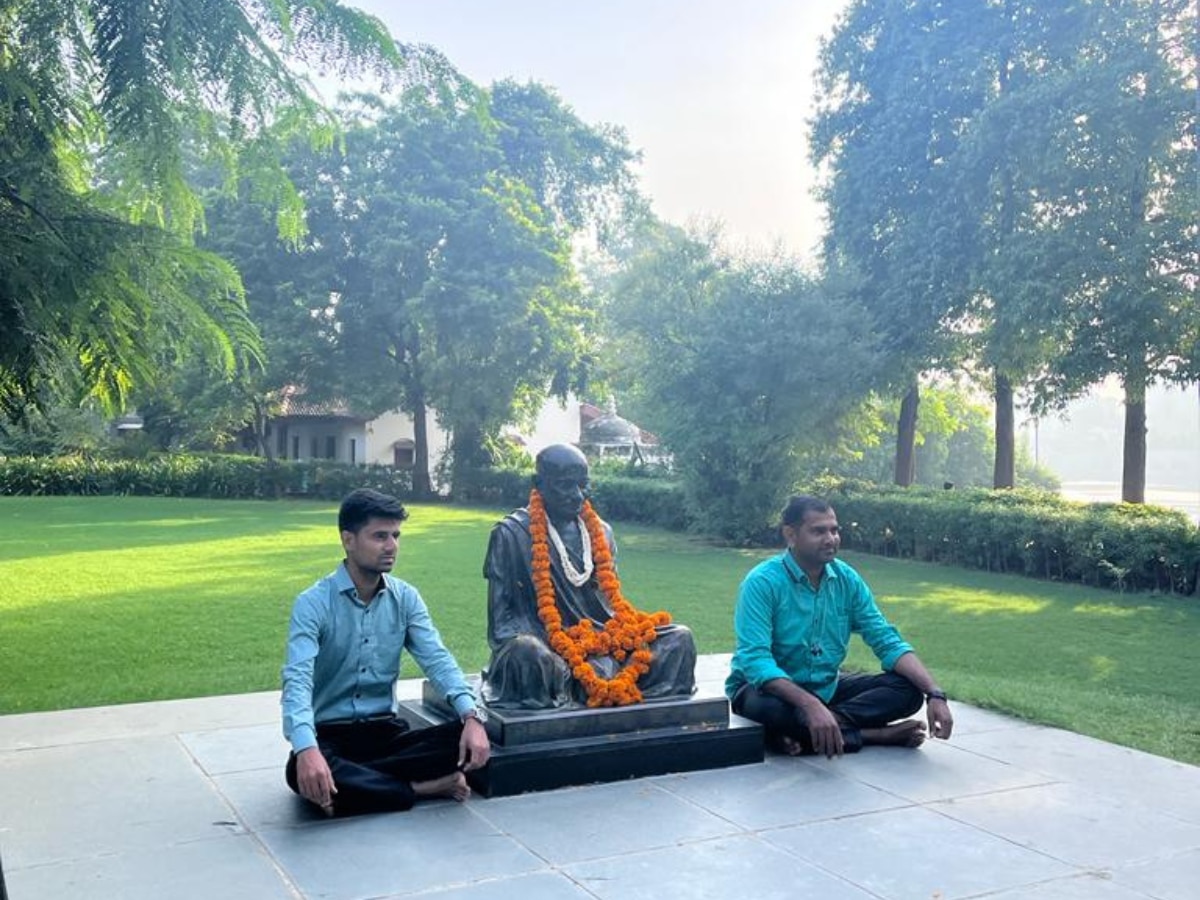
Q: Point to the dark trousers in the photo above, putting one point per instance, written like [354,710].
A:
[374,762]
[860,701]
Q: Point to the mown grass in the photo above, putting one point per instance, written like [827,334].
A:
[113,600]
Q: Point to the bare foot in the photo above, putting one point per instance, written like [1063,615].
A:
[453,785]
[909,733]
[782,743]
[790,746]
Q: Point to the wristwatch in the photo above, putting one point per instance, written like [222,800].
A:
[937,695]
[478,713]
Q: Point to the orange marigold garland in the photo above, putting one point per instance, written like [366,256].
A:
[626,637]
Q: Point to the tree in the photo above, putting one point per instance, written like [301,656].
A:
[451,290]
[101,102]
[896,84]
[995,177]
[440,242]
[737,364]
[1129,207]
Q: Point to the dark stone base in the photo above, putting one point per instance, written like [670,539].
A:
[538,750]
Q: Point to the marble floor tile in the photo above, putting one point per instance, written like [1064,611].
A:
[1075,824]
[740,866]
[601,820]
[780,792]
[432,846]
[915,854]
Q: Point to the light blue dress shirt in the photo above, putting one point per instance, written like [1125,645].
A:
[343,655]
[785,629]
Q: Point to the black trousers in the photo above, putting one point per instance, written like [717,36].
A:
[374,762]
[860,701]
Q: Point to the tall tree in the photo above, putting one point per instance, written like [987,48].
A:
[100,103]
[739,365]
[896,84]
[1127,204]
[452,291]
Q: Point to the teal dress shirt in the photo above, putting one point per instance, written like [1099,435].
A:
[343,655]
[786,629]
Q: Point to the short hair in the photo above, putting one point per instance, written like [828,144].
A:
[799,506]
[364,504]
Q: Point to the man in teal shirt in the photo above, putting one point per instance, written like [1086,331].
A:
[794,617]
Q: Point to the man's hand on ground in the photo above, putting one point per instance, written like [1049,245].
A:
[941,722]
[825,730]
[474,749]
[314,778]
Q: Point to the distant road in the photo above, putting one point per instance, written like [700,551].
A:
[1110,492]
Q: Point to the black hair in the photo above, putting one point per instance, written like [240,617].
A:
[799,506]
[364,504]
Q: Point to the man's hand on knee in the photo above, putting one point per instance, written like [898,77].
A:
[825,730]
[314,779]
[474,748]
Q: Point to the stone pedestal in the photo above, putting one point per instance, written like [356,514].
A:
[538,750]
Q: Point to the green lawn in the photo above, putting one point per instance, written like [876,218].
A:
[113,600]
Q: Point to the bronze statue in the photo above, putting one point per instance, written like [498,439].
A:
[561,632]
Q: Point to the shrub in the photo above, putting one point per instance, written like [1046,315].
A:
[1024,532]
[195,475]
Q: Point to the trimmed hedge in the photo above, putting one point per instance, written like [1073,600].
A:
[192,475]
[1024,532]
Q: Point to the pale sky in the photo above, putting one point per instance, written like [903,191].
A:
[713,93]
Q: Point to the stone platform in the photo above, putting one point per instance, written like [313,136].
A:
[539,750]
[185,799]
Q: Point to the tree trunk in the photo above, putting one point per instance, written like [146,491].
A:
[263,447]
[1004,474]
[1133,466]
[906,437]
[422,485]
[469,458]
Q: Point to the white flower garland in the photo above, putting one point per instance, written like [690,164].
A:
[575,576]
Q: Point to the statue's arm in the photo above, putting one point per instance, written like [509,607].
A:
[512,606]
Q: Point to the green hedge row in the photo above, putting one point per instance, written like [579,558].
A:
[192,475]
[1114,545]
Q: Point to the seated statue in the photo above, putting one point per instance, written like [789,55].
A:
[560,631]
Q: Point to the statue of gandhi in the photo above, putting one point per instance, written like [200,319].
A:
[525,671]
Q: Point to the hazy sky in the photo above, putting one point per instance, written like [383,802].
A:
[713,93]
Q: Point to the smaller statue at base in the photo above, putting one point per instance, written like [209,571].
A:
[560,630]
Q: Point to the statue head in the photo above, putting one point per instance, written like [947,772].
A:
[561,477]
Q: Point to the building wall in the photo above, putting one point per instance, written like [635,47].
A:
[308,439]
[383,432]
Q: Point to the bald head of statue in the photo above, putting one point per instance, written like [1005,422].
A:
[561,477]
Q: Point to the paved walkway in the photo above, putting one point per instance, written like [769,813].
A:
[185,799]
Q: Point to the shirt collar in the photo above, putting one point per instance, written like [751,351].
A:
[345,584]
[799,576]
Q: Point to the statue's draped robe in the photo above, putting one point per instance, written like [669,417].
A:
[524,672]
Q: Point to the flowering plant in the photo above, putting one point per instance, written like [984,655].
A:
[626,637]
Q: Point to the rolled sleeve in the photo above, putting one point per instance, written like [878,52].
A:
[754,626]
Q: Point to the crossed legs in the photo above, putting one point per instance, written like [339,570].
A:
[867,708]
[383,765]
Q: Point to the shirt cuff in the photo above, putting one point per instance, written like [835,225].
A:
[463,704]
[303,737]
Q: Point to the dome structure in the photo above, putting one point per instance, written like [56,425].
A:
[609,435]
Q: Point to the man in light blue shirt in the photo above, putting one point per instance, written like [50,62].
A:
[794,617]
[350,752]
